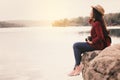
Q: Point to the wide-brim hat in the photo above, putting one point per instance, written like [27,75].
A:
[99,8]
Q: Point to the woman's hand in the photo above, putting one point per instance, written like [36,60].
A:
[90,42]
[91,20]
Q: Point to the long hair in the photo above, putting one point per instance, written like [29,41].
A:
[99,17]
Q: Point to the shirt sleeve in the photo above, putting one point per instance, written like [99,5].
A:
[99,33]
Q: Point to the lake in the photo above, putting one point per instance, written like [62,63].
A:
[40,53]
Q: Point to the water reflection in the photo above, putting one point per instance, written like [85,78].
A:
[33,53]
[115,32]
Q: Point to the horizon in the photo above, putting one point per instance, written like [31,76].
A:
[51,10]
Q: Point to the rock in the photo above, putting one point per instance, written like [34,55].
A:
[102,65]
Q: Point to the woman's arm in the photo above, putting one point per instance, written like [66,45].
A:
[99,32]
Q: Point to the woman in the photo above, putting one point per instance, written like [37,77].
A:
[99,38]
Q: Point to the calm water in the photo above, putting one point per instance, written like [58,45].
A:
[43,53]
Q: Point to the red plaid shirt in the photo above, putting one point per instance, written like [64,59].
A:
[98,38]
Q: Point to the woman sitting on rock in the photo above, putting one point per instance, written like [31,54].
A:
[98,41]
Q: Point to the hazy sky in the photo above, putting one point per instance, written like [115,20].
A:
[52,9]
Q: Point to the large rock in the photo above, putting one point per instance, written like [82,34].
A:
[102,65]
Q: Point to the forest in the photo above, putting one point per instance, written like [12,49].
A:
[112,19]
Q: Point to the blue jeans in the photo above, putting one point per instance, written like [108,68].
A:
[79,48]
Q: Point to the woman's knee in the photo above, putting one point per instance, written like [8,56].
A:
[75,45]
[80,45]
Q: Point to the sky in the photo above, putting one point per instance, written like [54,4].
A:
[52,9]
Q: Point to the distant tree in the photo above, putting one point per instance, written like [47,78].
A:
[112,19]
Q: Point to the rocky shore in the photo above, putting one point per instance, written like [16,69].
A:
[102,65]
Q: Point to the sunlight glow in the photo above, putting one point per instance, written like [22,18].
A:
[52,9]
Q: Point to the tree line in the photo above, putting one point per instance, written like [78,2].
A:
[112,19]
